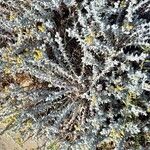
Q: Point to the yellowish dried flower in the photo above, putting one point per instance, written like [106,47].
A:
[41,27]
[19,60]
[119,88]
[7,70]
[89,39]
[94,100]
[12,16]
[116,134]
[128,26]
[37,55]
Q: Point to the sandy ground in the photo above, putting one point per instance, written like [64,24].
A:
[7,143]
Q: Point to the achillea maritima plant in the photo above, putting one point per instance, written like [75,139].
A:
[77,71]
